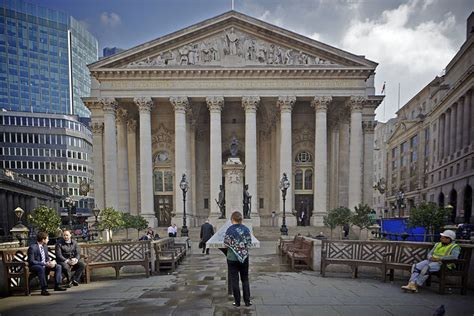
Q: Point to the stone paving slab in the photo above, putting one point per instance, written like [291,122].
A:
[198,287]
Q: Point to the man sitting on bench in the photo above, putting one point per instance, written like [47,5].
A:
[68,254]
[40,263]
[443,250]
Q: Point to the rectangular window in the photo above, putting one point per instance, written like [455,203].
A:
[260,204]
[206,203]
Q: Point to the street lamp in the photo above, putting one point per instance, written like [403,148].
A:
[20,231]
[69,203]
[184,185]
[400,198]
[284,185]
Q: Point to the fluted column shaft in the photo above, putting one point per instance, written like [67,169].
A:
[355,152]
[180,105]
[250,105]
[132,166]
[109,106]
[122,161]
[98,159]
[320,187]
[145,106]
[466,126]
[286,103]
[215,105]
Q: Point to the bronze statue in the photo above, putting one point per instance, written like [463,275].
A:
[221,201]
[247,204]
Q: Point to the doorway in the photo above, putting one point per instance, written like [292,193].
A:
[163,208]
[304,208]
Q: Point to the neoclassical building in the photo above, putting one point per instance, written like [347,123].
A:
[173,105]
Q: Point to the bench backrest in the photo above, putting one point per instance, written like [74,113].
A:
[118,251]
[355,249]
[21,254]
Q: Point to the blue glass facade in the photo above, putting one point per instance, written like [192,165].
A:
[35,60]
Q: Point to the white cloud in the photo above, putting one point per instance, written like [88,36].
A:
[407,52]
[110,19]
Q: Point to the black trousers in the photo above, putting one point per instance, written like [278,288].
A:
[68,270]
[43,271]
[236,268]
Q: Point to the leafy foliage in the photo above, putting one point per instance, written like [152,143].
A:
[337,217]
[45,219]
[110,220]
[428,215]
[128,220]
[139,223]
[361,217]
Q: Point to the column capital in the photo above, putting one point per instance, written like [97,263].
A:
[122,115]
[250,103]
[145,104]
[132,125]
[97,128]
[180,104]
[369,126]
[286,103]
[215,104]
[320,103]
[356,103]
[109,105]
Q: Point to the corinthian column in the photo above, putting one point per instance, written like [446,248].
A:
[98,158]
[250,105]
[320,104]
[109,106]
[132,166]
[355,152]
[215,105]
[145,106]
[286,103]
[180,105]
[122,161]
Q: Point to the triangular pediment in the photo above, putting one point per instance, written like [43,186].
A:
[233,40]
[403,128]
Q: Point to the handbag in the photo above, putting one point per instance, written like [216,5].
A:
[201,244]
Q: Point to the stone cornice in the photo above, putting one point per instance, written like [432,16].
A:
[250,103]
[321,103]
[180,104]
[215,104]
[109,105]
[92,103]
[144,104]
[220,72]
[286,103]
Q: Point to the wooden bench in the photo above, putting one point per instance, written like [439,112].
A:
[17,272]
[404,255]
[168,254]
[389,256]
[287,244]
[116,255]
[302,256]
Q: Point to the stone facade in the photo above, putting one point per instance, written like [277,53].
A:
[292,104]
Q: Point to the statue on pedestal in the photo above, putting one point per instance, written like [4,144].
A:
[234,147]
[247,204]
[221,201]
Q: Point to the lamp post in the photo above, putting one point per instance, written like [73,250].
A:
[400,198]
[184,185]
[20,231]
[284,185]
[96,212]
[69,204]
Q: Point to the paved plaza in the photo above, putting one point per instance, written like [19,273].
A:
[199,287]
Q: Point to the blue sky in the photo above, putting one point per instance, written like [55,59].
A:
[412,40]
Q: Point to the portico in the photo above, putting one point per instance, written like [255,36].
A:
[294,105]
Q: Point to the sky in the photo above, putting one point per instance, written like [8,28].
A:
[411,40]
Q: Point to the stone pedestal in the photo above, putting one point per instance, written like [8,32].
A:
[317,219]
[234,186]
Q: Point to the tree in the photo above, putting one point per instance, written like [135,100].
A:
[361,217]
[139,223]
[110,220]
[45,219]
[128,221]
[429,216]
[337,217]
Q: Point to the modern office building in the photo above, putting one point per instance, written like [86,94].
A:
[109,51]
[54,150]
[43,60]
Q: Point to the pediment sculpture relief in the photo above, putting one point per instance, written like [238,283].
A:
[230,48]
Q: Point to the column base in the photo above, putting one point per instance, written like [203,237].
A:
[317,219]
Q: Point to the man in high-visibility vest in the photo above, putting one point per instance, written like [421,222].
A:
[443,250]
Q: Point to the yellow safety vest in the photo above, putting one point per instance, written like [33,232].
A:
[441,251]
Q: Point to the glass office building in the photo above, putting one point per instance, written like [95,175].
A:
[43,58]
